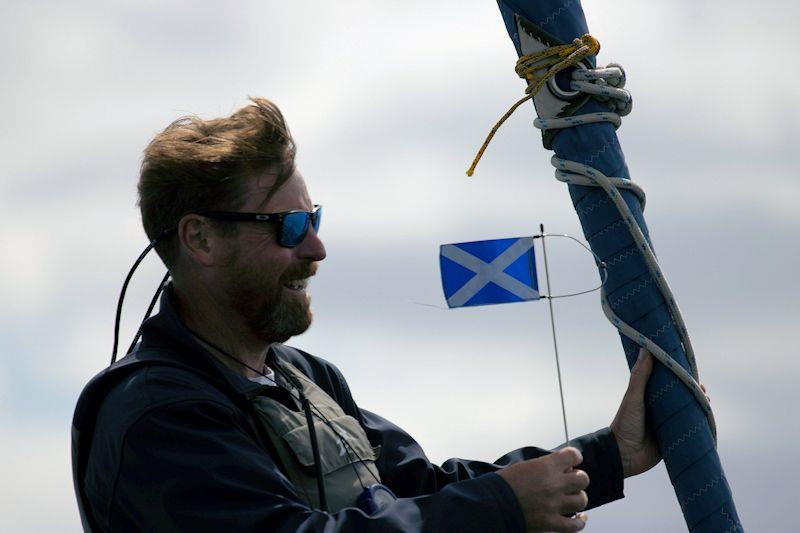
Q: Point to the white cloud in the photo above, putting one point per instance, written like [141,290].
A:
[37,486]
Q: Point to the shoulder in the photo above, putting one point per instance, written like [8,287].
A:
[160,396]
[155,386]
[146,392]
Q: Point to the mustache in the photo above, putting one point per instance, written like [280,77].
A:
[302,271]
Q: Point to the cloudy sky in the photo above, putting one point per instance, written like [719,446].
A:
[388,102]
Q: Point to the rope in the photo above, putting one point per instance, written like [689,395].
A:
[606,84]
[576,173]
[537,69]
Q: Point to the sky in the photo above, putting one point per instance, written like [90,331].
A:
[388,102]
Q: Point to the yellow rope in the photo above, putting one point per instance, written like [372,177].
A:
[551,61]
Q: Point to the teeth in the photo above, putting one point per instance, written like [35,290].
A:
[297,284]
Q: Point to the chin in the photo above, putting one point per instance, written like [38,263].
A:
[286,322]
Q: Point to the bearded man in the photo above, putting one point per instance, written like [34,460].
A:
[211,423]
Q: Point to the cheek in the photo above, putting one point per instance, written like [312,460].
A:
[259,248]
[261,237]
[264,265]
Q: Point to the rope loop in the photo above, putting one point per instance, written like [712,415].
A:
[550,62]
[539,67]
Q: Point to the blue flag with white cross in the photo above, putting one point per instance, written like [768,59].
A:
[489,272]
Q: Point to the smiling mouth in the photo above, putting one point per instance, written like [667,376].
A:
[297,284]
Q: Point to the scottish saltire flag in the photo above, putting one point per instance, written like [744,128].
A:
[489,272]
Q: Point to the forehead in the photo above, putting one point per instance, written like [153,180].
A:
[292,193]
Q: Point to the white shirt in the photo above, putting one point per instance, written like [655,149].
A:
[268,379]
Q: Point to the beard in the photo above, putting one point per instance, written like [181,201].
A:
[263,302]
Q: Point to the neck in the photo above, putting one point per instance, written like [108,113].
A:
[211,319]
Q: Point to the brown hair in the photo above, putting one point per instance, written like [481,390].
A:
[197,164]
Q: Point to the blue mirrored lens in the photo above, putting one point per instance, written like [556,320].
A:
[295,226]
[317,218]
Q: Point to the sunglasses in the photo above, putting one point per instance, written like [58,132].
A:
[292,225]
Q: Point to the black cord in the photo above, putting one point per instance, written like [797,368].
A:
[312,431]
[136,263]
[149,310]
[122,297]
[345,443]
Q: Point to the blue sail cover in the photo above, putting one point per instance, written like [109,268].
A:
[682,429]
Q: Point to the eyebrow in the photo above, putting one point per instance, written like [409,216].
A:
[302,206]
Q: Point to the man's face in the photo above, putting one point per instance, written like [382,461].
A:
[261,277]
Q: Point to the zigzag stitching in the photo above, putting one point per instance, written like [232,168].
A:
[608,228]
[702,491]
[632,292]
[662,391]
[622,257]
[734,525]
[552,16]
[683,438]
[588,209]
[596,154]
[660,330]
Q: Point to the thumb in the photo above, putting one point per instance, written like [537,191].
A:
[568,457]
[640,372]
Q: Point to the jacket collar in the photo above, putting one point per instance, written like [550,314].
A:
[166,338]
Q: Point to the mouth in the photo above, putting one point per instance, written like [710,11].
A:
[297,284]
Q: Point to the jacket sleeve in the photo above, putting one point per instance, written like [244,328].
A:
[407,471]
[405,468]
[193,465]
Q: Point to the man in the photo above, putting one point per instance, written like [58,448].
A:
[211,423]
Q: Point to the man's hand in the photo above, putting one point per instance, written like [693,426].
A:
[550,491]
[637,446]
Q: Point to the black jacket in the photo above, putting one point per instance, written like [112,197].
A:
[162,441]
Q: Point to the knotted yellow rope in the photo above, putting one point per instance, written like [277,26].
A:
[547,63]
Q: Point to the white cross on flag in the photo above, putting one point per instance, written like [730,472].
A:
[489,272]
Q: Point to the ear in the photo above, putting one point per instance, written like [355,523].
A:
[198,240]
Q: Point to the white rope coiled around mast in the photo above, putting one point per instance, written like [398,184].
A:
[605,84]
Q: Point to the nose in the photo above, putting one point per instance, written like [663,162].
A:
[312,247]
